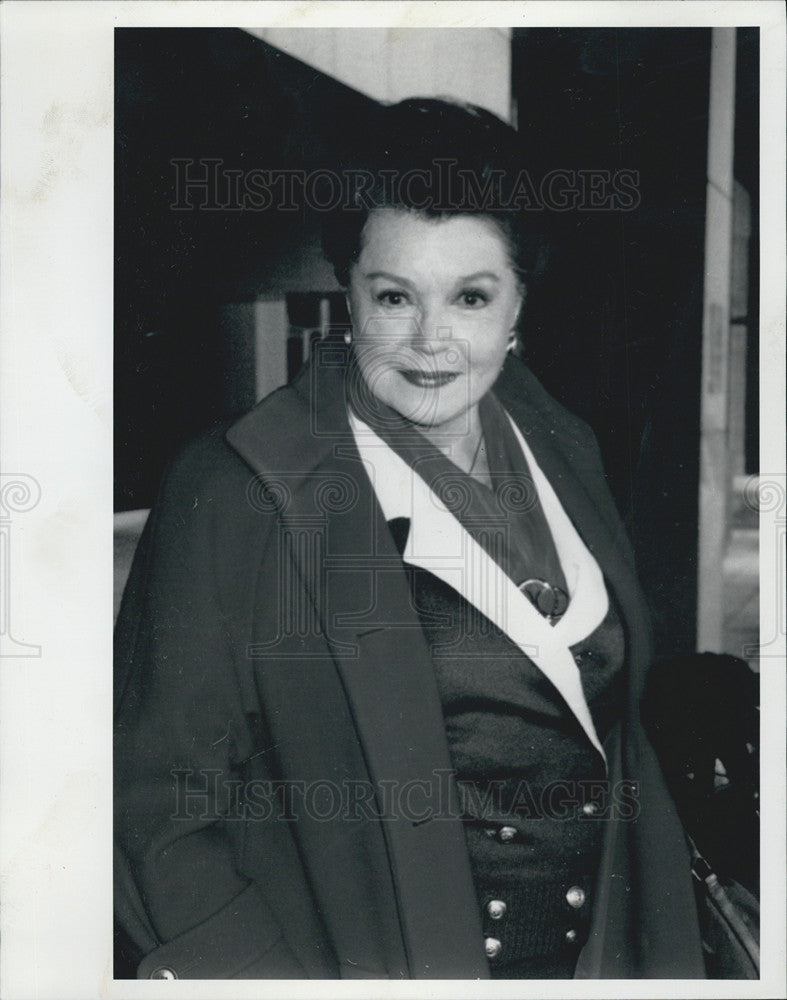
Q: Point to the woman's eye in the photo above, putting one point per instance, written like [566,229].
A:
[391,297]
[473,299]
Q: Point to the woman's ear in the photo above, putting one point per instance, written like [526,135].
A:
[520,305]
[348,334]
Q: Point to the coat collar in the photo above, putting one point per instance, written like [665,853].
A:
[567,453]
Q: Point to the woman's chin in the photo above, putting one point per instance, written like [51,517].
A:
[437,418]
[442,406]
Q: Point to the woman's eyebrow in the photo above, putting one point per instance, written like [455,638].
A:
[387,276]
[480,274]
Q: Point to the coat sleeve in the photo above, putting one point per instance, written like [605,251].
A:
[182,726]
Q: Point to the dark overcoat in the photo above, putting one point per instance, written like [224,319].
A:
[267,651]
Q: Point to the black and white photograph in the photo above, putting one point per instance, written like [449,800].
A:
[427,427]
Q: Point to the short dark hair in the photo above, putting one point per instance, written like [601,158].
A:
[438,158]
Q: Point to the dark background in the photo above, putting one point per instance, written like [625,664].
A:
[614,328]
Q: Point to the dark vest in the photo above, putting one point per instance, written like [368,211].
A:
[532,786]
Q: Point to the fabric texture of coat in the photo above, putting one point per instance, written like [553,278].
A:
[267,643]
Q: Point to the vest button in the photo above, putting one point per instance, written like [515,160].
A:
[571,936]
[590,808]
[575,896]
[492,947]
[496,909]
[507,834]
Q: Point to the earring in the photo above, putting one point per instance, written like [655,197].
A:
[348,337]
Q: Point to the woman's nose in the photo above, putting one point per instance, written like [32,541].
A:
[431,328]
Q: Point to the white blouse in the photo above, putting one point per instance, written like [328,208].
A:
[438,543]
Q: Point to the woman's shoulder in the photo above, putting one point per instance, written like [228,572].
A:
[521,391]
[205,464]
[211,462]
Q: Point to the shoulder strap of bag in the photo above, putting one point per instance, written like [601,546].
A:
[727,917]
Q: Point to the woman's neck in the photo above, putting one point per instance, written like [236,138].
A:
[464,445]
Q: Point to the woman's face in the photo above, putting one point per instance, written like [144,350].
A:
[433,303]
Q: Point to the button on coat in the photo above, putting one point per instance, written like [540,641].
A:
[163,973]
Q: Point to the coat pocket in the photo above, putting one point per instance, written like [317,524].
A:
[241,937]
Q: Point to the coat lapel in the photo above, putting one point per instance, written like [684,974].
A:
[561,454]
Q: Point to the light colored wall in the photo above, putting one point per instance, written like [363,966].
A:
[389,64]
[715,471]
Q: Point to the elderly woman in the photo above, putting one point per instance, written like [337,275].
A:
[381,653]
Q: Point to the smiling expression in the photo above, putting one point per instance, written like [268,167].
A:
[433,304]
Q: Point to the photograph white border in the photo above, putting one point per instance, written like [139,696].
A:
[56,321]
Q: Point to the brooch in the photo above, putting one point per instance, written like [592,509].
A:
[548,600]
